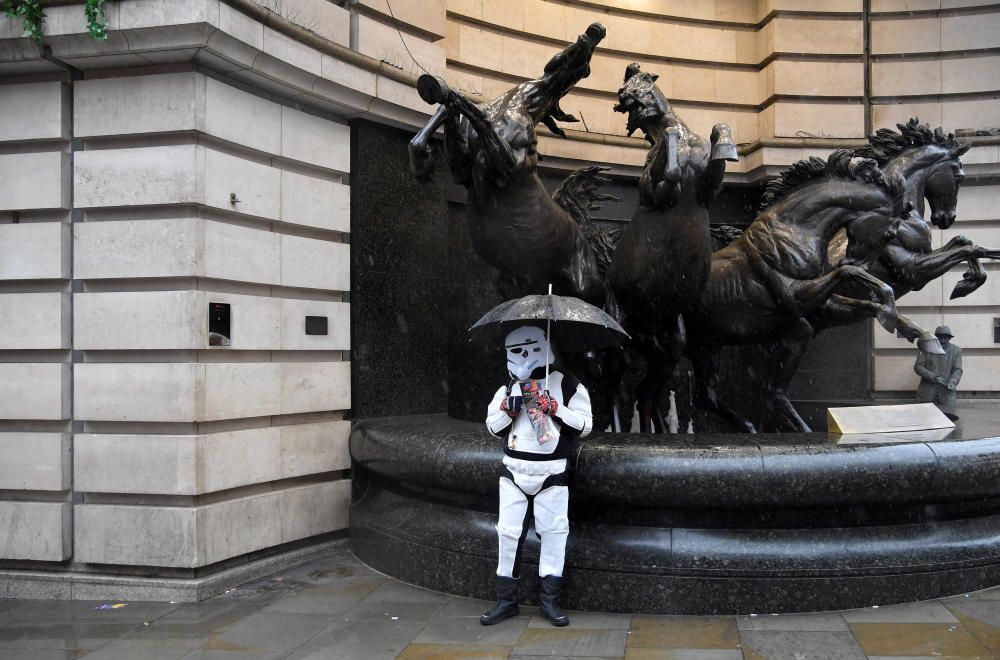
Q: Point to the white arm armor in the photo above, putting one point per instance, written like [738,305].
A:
[496,419]
[576,412]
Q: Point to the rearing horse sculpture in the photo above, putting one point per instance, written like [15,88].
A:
[529,235]
[764,284]
[661,261]
[929,162]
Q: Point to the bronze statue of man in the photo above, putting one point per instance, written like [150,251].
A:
[940,374]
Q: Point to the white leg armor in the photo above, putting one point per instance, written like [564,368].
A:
[551,521]
[552,526]
[511,527]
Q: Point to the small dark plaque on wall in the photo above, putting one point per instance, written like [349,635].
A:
[316,325]
[996,331]
[218,324]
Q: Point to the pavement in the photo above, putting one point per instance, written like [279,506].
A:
[336,607]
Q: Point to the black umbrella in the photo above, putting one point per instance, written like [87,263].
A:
[571,324]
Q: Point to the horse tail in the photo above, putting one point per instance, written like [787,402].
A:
[578,196]
[603,242]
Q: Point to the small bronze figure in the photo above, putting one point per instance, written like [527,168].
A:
[940,374]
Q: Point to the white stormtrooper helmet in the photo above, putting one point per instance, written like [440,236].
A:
[526,351]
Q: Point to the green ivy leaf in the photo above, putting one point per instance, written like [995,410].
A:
[96,24]
[33,18]
[31,14]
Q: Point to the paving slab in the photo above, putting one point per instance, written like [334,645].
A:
[684,632]
[982,619]
[233,655]
[789,645]
[571,642]
[146,649]
[593,620]
[38,654]
[274,631]
[454,652]
[640,653]
[67,636]
[351,639]
[468,631]
[908,639]
[818,622]
[926,612]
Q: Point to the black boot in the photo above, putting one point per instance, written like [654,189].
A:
[548,600]
[506,606]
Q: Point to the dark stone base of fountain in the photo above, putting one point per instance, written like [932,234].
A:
[705,524]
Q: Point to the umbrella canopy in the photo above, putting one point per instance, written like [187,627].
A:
[575,325]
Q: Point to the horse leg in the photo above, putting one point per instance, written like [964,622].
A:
[421,154]
[705,361]
[457,148]
[723,149]
[662,351]
[668,189]
[614,367]
[811,294]
[786,354]
[652,351]
[672,339]
[920,268]
[906,327]
[495,149]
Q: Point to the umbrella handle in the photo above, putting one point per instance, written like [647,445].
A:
[548,341]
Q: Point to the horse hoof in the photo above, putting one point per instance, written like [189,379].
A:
[964,288]
[431,89]
[887,321]
[930,345]
[722,151]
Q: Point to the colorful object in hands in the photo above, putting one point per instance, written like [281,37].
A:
[534,395]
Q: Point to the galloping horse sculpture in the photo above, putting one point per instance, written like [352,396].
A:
[661,261]
[533,238]
[764,284]
[929,162]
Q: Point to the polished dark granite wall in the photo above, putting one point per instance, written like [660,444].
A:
[400,282]
[418,285]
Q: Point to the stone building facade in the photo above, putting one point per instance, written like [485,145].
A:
[176,221]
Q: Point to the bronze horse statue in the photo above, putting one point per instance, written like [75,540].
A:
[532,237]
[930,164]
[778,272]
[661,260]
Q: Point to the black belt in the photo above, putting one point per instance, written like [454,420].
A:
[561,479]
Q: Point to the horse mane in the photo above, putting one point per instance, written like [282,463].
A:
[887,143]
[838,166]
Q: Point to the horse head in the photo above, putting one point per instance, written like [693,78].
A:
[929,161]
[568,67]
[942,182]
[645,104]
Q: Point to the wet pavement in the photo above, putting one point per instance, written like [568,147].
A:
[338,608]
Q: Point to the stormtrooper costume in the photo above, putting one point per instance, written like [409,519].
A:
[539,425]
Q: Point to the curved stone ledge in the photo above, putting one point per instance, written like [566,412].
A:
[704,471]
[692,524]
